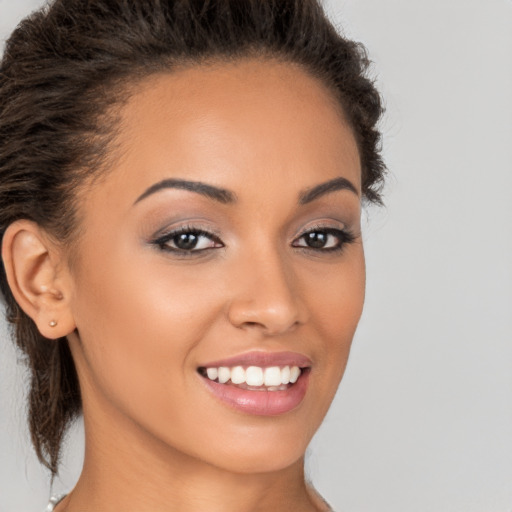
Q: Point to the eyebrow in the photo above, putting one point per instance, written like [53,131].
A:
[218,194]
[225,196]
[326,188]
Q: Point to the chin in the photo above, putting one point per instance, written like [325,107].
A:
[263,461]
[270,448]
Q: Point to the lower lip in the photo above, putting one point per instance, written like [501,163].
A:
[261,403]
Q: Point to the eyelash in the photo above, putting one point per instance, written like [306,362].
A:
[163,241]
[344,236]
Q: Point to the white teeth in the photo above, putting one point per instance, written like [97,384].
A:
[237,375]
[254,376]
[212,373]
[285,375]
[294,374]
[273,378]
[224,374]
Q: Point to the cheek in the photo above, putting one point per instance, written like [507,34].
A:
[138,325]
[339,300]
[336,308]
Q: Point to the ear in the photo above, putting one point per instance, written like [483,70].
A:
[38,277]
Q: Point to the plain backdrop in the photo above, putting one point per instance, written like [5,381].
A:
[423,418]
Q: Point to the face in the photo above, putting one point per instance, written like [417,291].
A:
[224,243]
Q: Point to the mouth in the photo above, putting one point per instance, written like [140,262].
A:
[259,383]
[254,378]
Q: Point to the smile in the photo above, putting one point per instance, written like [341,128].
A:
[254,378]
[259,383]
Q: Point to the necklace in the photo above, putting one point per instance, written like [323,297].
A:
[54,501]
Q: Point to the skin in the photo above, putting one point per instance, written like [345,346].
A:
[146,318]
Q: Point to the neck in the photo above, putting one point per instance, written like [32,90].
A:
[150,476]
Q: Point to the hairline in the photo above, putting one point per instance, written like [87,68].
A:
[125,86]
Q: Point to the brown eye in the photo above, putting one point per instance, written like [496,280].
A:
[316,239]
[188,240]
[326,239]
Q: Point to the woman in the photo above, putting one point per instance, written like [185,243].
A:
[181,188]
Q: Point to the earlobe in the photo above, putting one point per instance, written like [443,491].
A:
[33,265]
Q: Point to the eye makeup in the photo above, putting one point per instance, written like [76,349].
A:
[192,240]
[183,230]
[324,239]
[188,239]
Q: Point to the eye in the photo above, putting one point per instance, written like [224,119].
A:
[188,240]
[324,239]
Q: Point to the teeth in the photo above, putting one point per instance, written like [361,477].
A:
[224,374]
[294,374]
[285,375]
[237,375]
[212,373]
[254,376]
[273,378]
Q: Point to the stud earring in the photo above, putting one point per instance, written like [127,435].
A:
[52,323]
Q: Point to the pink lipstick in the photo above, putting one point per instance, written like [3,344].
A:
[260,383]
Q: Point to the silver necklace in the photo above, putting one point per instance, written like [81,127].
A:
[54,501]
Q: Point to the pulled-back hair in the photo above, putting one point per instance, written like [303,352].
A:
[64,70]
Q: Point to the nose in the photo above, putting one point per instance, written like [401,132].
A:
[266,296]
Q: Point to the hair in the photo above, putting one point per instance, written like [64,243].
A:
[64,70]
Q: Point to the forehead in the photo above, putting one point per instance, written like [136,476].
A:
[237,125]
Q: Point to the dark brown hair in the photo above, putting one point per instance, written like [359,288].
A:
[63,69]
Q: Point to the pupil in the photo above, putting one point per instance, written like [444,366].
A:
[316,240]
[185,241]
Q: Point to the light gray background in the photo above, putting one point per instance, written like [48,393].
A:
[423,419]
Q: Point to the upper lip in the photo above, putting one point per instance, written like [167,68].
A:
[262,359]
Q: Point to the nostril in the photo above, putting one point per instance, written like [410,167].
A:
[272,313]
[250,325]
[269,328]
